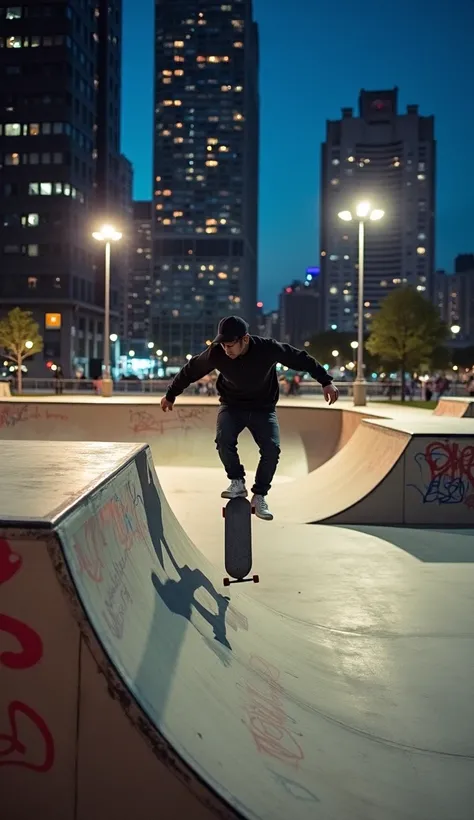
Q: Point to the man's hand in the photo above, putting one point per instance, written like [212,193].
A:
[165,404]
[331,393]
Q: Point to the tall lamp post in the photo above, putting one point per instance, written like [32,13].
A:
[363,212]
[107,234]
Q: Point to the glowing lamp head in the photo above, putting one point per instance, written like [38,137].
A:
[363,209]
[346,216]
[376,214]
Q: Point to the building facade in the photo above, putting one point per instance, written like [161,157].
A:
[453,294]
[299,311]
[205,170]
[387,158]
[138,333]
[62,173]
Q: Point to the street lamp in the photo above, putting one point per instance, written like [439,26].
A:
[150,345]
[28,345]
[113,337]
[363,212]
[107,234]
[455,329]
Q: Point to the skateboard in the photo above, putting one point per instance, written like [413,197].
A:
[238,541]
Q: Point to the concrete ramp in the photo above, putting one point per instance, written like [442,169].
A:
[310,435]
[420,472]
[459,407]
[132,687]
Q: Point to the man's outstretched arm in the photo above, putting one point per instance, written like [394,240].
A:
[302,362]
[195,369]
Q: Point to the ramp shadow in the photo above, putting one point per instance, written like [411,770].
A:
[179,596]
[435,546]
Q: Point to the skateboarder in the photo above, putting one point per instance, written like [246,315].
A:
[249,391]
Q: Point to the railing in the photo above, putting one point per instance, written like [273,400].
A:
[375,389]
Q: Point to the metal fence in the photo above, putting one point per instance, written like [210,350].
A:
[157,387]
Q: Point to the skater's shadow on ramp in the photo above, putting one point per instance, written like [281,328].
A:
[179,596]
[432,546]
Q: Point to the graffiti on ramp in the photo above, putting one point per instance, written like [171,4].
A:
[445,473]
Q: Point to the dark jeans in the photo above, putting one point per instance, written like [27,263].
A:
[263,426]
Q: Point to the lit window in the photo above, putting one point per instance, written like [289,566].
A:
[178,213]
[178,102]
[333,257]
[12,129]
[33,250]
[32,281]
[421,177]
[166,81]
[178,140]
[422,236]
[167,102]
[223,149]
[12,159]
[211,230]
[226,88]
[420,250]
[167,73]
[167,192]
[178,44]
[420,287]
[13,12]
[366,304]
[346,257]
[167,222]
[211,163]
[221,275]
[335,181]
[46,188]
[179,72]
[335,161]
[238,44]
[238,117]
[13,42]
[34,129]
[179,59]
[333,290]
[350,159]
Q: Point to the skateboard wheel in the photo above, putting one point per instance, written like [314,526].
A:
[256,579]
[253,510]
[226,582]
[223,512]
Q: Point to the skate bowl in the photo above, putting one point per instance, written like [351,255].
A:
[132,687]
[182,438]
[456,406]
[418,472]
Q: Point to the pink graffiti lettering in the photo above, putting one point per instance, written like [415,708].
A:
[267,719]
[447,459]
[11,744]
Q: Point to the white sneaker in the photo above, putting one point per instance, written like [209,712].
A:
[261,508]
[236,489]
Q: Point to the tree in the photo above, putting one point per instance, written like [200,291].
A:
[322,345]
[406,331]
[20,338]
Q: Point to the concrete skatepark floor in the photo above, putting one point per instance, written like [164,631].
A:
[372,627]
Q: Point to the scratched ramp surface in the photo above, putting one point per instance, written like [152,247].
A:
[251,714]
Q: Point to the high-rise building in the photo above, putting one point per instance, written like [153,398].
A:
[299,310]
[453,294]
[205,170]
[62,172]
[140,280]
[387,158]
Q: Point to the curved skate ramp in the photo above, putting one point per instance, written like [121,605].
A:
[183,438]
[205,706]
[418,472]
[457,406]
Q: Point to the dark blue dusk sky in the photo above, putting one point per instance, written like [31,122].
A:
[315,56]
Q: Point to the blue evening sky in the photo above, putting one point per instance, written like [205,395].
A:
[315,56]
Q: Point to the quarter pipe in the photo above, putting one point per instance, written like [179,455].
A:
[132,686]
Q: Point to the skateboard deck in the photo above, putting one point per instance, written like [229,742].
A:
[238,540]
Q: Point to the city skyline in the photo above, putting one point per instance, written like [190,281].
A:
[289,159]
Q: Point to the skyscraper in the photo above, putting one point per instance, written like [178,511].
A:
[140,280]
[205,169]
[62,171]
[388,158]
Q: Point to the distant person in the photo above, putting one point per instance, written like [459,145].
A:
[248,389]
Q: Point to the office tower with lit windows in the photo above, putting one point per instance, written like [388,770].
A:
[62,173]
[299,310]
[387,158]
[205,170]
[140,280]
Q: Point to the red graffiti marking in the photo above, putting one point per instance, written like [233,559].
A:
[11,744]
[267,718]
[120,517]
[447,459]
[29,640]
[30,654]
[10,562]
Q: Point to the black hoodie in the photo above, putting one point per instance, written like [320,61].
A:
[249,382]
